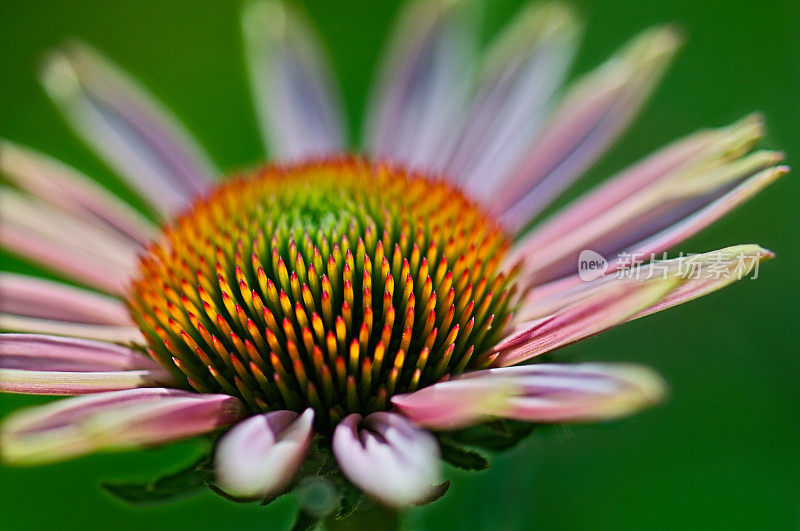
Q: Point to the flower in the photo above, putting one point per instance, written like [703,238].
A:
[370,310]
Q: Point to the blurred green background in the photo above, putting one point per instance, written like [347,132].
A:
[723,453]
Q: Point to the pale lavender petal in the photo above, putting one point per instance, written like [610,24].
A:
[110,333]
[704,217]
[295,91]
[611,304]
[63,383]
[260,456]
[63,259]
[697,275]
[605,196]
[65,243]
[591,116]
[518,78]
[50,224]
[53,353]
[422,84]
[127,127]
[705,273]
[64,187]
[46,299]
[534,393]
[112,421]
[651,197]
[387,457]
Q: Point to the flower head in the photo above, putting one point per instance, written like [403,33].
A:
[343,319]
[332,285]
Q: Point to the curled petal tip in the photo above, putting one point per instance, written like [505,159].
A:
[261,455]
[661,40]
[648,387]
[389,458]
[269,15]
[58,76]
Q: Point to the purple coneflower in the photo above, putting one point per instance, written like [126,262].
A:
[346,320]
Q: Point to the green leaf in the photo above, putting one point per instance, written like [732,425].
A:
[437,492]
[495,436]
[165,489]
[222,494]
[462,457]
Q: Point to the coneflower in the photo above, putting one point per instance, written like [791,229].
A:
[338,321]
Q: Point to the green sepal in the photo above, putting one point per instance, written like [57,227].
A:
[437,492]
[496,435]
[462,457]
[186,482]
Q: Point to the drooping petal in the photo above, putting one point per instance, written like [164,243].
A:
[260,456]
[112,421]
[611,304]
[78,383]
[705,273]
[518,77]
[422,84]
[45,299]
[697,275]
[542,392]
[110,333]
[47,223]
[43,352]
[127,127]
[65,243]
[704,217]
[591,116]
[52,365]
[296,95]
[387,457]
[677,183]
[66,188]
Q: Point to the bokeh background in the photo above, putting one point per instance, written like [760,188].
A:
[723,453]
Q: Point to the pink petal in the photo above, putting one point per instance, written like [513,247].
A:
[611,304]
[683,180]
[50,365]
[79,383]
[62,186]
[46,299]
[64,260]
[43,352]
[704,217]
[261,455]
[535,393]
[297,102]
[387,457]
[518,78]
[605,196]
[705,273]
[50,224]
[65,243]
[697,275]
[421,86]
[124,124]
[33,325]
[591,116]
[112,421]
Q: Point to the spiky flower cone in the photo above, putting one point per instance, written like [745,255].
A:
[332,285]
